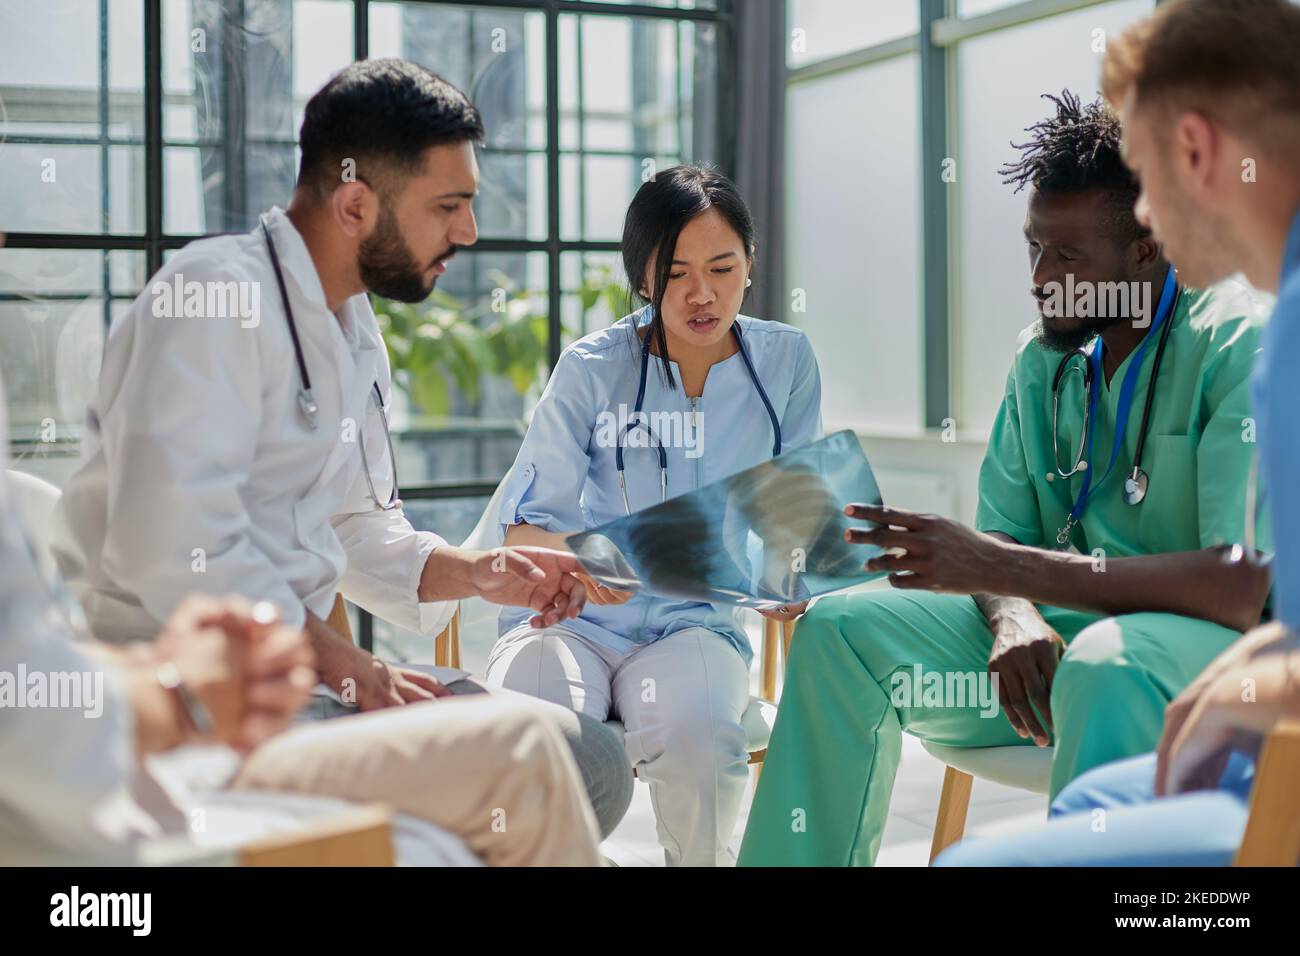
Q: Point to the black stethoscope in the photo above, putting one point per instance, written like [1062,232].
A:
[637,420]
[307,404]
[1137,482]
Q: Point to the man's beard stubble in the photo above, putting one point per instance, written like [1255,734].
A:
[387,266]
[1067,340]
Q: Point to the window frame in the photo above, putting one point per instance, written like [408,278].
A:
[937,41]
[155,242]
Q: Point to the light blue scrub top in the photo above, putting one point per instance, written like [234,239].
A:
[564,478]
[1277,408]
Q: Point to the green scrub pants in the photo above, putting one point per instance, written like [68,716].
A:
[824,792]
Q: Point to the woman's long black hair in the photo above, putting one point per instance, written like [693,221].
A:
[659,211]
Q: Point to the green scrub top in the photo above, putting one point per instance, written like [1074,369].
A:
[1198,451]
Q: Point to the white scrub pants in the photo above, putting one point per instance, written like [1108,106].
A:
[680,700]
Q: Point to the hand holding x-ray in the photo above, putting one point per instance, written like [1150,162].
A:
[769,536]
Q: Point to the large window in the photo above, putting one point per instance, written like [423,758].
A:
[823,29]
[1000,79]
[235,79]
[853,239]
[130,127]
[71,148]
[903,244]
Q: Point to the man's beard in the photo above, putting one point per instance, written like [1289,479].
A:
[387,266]
[1067,340]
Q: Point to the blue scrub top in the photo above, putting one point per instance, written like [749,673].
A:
[564,478]
[1277,409]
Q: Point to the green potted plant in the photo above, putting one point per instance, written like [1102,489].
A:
[444,341]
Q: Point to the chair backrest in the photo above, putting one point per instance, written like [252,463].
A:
[484,535]
[35,500]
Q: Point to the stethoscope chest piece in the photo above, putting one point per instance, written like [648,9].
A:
[1135,487]
[307,405]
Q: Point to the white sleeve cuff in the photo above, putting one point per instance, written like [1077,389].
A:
[433,615]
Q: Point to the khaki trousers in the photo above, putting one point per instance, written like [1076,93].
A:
[493,770]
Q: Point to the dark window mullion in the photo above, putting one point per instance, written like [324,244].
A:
[361,29]
[581,94]
[936,292]
[234,112]
[553,327]
[153,159]
[105,207]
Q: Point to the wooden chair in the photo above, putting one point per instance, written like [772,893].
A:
[758,718]
[356,836]
[1272,836]
[360,837]
[1026,767]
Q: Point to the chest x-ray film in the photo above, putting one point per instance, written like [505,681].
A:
[767,536]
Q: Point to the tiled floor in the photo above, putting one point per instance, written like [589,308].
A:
[993,809]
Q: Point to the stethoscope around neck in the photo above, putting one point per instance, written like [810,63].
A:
[1137,482]
[307,403]
[638,420]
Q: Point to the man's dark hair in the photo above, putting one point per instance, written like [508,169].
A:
[1078,150]
[382,114]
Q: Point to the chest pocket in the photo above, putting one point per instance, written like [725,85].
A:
[1170,513]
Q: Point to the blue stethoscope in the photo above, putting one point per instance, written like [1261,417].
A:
[637,420]
[1135,485]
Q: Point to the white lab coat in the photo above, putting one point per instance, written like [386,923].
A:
[199,472]
[72,790]
[68,775]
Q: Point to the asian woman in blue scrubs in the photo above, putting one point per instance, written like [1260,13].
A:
[723,392]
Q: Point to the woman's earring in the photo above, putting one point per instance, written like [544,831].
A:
[748,283]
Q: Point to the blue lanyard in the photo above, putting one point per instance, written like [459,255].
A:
[1291,252]
[1126,391]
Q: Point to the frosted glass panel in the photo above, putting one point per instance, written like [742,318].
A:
[973,8]
[853,239]
[832,27]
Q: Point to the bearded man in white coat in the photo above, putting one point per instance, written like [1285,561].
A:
[246,452]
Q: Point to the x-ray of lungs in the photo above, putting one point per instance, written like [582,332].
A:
[767,536]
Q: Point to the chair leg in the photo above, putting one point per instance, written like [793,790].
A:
[787,635]
[954,800]
[441,651]
[767,671]
[455,639]
[446,646]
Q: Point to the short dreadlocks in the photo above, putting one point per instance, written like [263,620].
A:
[1078,150]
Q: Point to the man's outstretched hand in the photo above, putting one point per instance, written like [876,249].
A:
[928,552]
[537,578]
